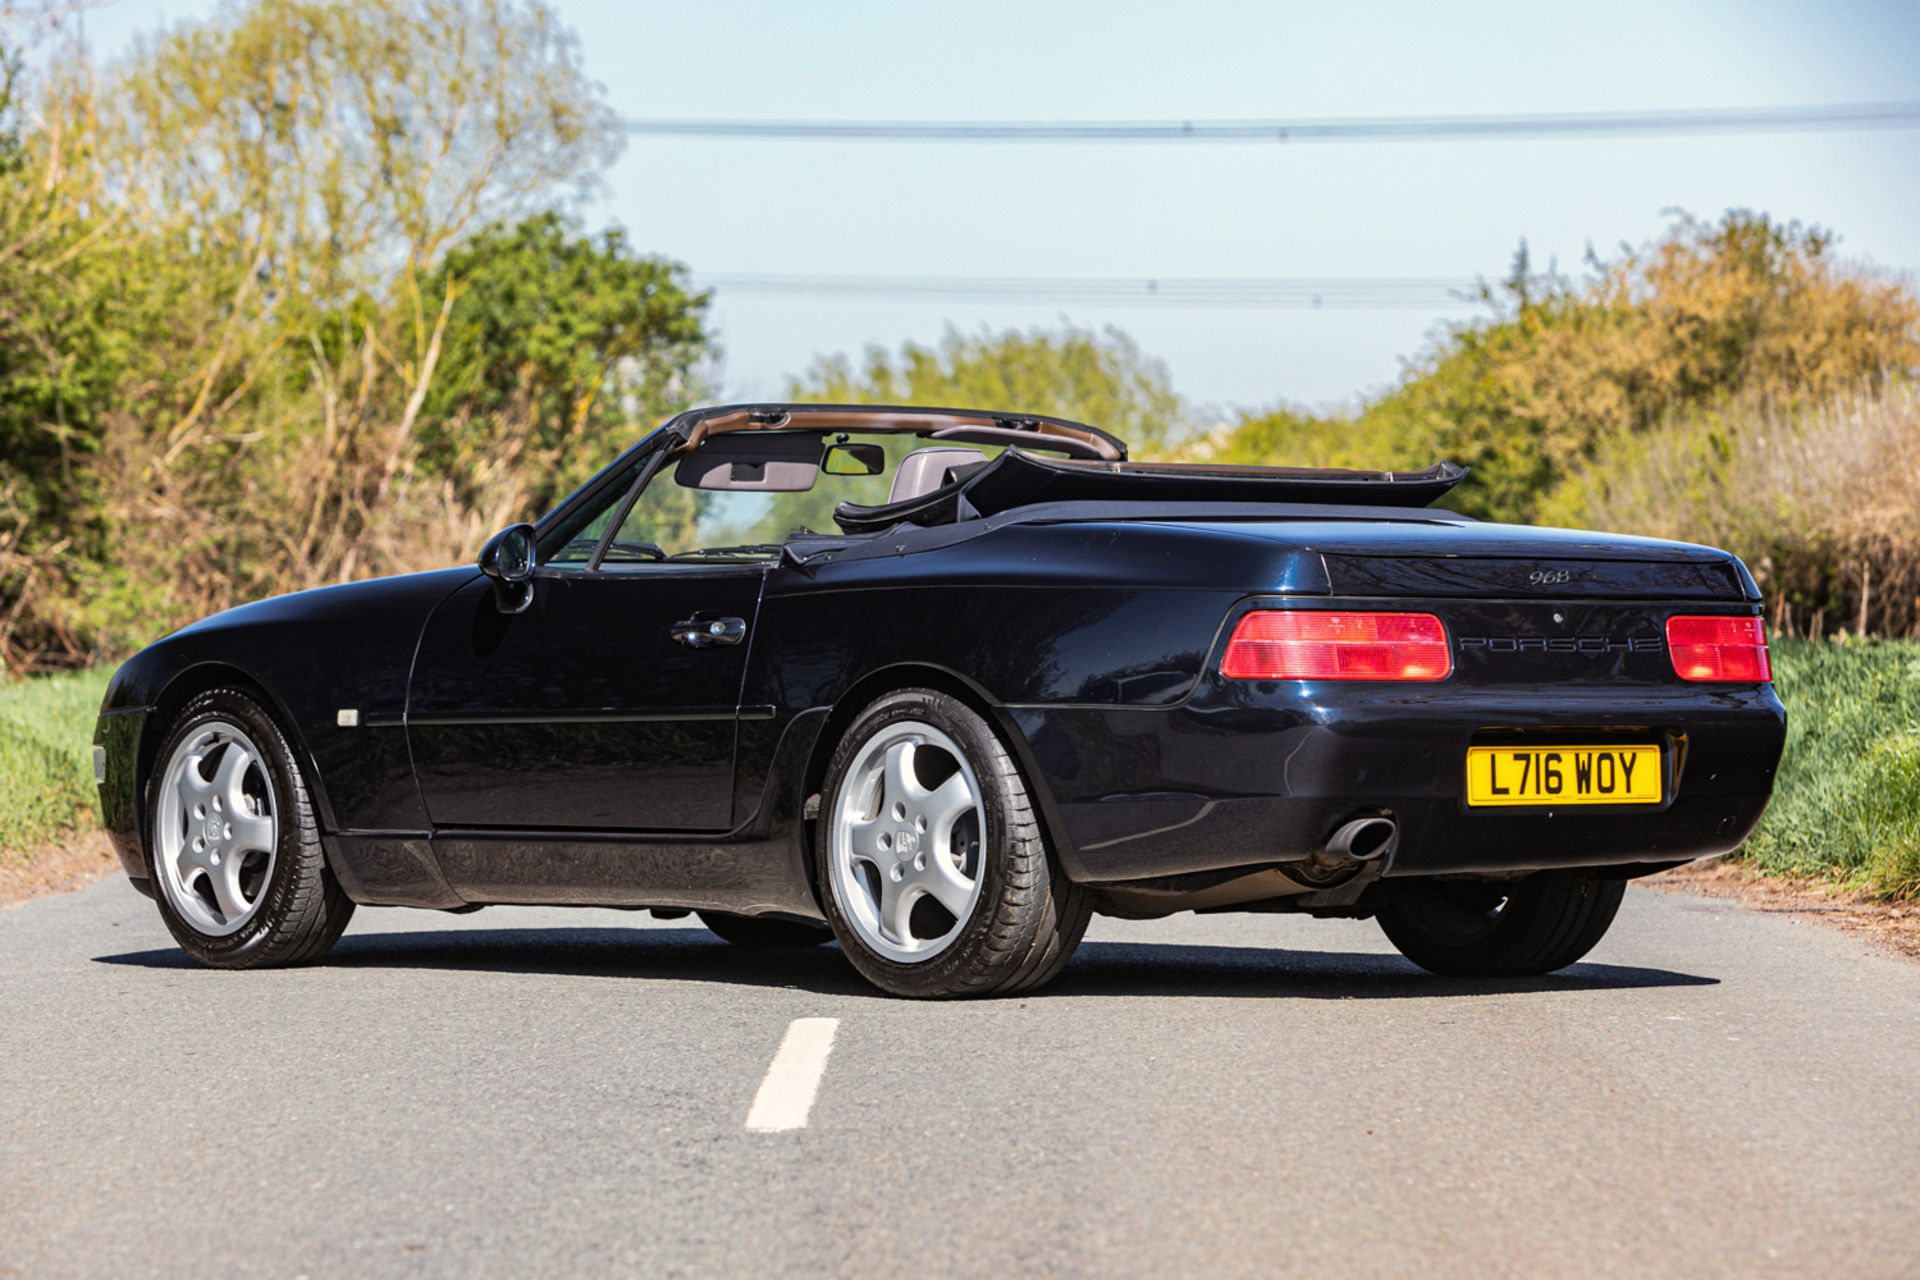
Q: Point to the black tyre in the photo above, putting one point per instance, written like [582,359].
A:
[763,934]
[932,865]
[1488,929]
[233,848]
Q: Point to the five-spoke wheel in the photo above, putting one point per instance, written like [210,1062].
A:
[934,871]
[215,831]
[905,841]
[234,851]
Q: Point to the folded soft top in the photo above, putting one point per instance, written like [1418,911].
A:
[1020,479]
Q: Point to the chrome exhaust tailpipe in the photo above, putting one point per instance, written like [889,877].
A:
[1353,844]
[1360,840]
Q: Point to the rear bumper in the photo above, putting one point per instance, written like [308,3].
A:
[1245,774]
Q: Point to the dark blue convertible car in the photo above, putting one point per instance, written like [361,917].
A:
[939,684]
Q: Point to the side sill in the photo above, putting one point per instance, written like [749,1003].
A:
[390,869]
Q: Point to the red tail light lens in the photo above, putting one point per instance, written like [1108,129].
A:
[1308,644]
[1719,648]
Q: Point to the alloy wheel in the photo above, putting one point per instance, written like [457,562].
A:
[215,831]
[905,842]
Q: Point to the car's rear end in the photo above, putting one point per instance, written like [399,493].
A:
[1520,712]
[1496,700]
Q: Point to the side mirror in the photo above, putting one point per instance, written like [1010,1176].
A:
[508,559]
[854,460]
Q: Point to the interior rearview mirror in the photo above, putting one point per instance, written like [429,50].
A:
[854,460]
[509,559]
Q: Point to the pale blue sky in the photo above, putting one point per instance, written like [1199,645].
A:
[1442,209]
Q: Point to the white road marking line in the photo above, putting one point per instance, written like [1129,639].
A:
[793,1077]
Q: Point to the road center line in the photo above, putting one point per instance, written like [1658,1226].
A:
[793,1077]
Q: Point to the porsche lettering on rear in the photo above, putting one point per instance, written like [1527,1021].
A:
[1562,644]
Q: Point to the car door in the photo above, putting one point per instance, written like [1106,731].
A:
[610,703]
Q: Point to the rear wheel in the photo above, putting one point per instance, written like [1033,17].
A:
[1484,928]
[238,870]
[752,931]
[933,868]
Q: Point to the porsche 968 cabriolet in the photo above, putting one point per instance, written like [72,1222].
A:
[939,685]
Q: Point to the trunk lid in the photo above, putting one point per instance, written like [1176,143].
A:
[1503,562]
[1445,556]
[1506,578]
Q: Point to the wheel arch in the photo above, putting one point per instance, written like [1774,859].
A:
[203,677]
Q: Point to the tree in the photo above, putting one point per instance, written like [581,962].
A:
[331,145]
[557,345]
[237,354]
[1102,379]
[1743,307]
[1746,307]
[64,279]
[316,160]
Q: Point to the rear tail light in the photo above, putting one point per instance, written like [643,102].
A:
[1309,644]
[1718,648]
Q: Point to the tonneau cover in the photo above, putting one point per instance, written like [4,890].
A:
[1019,479]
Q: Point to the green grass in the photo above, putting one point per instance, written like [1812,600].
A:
[1846,804]
[1847,801]
[46,760]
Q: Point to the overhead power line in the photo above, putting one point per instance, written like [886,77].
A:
[1595,124]
[1272,293]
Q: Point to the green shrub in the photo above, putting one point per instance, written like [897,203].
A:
[1847,801]
[46,763]
[1890,816]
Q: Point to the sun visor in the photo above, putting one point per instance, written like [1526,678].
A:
[753,461]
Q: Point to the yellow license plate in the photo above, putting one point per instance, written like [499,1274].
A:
[1563,775]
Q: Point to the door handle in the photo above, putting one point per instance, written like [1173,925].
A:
[704,631]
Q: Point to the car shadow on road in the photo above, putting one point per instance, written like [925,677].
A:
[1098,968]
[1171,968]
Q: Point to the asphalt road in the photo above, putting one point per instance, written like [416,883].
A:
[520,1092]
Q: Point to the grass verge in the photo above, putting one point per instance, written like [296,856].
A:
[1847,802]
[46,761]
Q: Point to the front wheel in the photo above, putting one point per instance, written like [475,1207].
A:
[238,869]
[932,865]
[1492,929]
